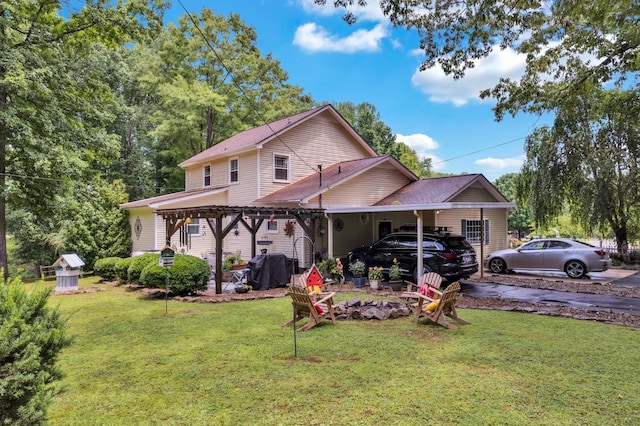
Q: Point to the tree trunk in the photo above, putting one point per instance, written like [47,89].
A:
[622,244]
[3,183]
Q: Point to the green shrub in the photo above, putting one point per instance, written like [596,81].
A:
[138,264]
[31,337]
[188,275]
[105,267]
[634,257]
[122,270]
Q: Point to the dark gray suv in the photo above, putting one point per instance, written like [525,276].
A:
[451,256]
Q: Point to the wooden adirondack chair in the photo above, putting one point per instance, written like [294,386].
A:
[436,309]
[305,306]
[430,279]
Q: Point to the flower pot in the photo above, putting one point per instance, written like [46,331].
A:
[360,282]
[238,267]
[396,285]
[374,284]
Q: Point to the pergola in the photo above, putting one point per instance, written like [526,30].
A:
[176,218]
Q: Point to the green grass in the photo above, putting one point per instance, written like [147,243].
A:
[232,364]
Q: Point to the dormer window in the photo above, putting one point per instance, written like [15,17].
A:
[206,176]
[281,168]
[233,170]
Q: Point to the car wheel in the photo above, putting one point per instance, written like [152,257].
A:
[497,266]
[575,269]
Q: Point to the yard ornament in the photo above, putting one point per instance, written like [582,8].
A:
[314,280]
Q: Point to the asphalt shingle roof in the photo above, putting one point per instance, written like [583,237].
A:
[252,137]
[430,191]
[331,176]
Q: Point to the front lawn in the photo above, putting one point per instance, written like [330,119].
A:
[232,364]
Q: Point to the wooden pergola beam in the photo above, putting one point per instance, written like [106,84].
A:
[175,219]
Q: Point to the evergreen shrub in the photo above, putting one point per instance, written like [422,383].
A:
[122,270]
[106,268]
[138,264]
[188,275]
[32,335]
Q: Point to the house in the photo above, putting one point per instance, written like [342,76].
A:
[307,186]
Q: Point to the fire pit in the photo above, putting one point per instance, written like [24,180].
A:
[370,309]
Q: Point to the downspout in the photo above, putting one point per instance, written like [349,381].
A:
[420,260]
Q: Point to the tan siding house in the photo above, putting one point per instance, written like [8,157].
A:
[311,160]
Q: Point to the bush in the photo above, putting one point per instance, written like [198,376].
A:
[31,337]
[106,268]
[122,270]
[188,275]
[138,263]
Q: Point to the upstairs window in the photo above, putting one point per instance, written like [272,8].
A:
[281,167]
[206,176]
[233,170]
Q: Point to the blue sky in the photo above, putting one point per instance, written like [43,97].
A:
[371,61]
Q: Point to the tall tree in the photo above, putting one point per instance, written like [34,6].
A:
[211,82]
[589,157]
[566,42]
[365,119]
[520,219]
[52,116]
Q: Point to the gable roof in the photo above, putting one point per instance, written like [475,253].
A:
[439,190]
[332,176]
[161,200]
[252,138]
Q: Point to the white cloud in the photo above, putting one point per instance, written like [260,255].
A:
[422,144]
[501,163]
[418,142]
[486,73]
[314,38]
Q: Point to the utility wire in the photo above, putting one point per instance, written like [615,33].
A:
[481,150]
[238,86]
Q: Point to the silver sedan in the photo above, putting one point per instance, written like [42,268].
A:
[576,259]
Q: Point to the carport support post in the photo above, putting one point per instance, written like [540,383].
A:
[420,259]
[481,261]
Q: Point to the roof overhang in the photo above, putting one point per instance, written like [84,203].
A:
[412,207]
[249,211]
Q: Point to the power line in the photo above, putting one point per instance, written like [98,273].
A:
[239,87]
[481,150]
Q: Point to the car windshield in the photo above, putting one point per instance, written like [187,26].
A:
[456,243]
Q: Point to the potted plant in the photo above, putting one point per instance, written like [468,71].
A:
[243,288]
[232,262]
[357,269]
[332,269]
[375,276]
[395,276]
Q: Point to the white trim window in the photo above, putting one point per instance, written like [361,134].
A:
[272,226]
[281,168]
[233,170]
[194,228]
[472,230]
[206,176]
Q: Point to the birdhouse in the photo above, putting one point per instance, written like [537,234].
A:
[68,270]
[314,280]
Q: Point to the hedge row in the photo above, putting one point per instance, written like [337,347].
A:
[188,274]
